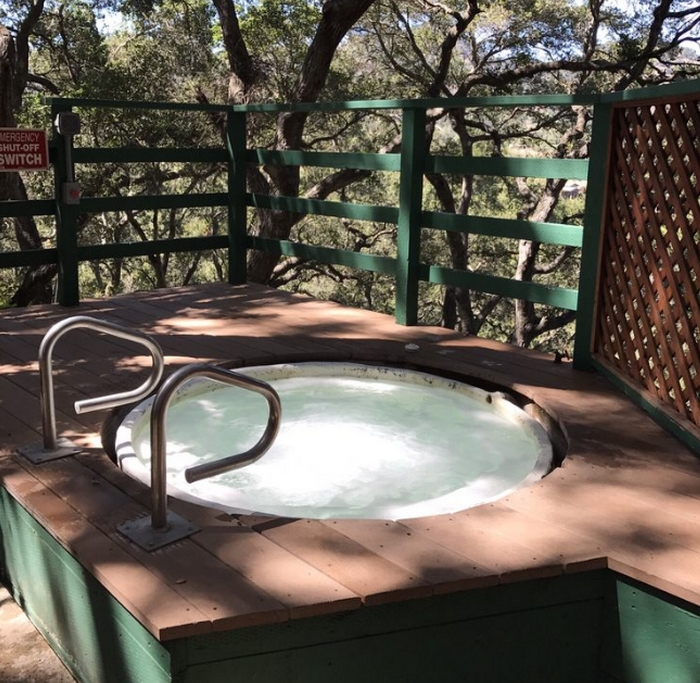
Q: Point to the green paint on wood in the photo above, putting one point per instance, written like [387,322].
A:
[652,637]
[360,212]
[358,160]
[550,233]
[98,640]
[473,605]
[551,645]
[429,103]
[32,257]
[515,289]
[413,152]
[546,630]
[593,227]
[237,212]
[574,169]
[174,246]
[31,207]
[675,89]
[68,287]
[338,257]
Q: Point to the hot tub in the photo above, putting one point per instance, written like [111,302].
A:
[355,441]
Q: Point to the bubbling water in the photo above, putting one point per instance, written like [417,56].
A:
[369,445]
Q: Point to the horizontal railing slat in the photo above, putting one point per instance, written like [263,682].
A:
[29,258]
[323,207]
[547,100]
[133,155]
[338,257]
[534,292]
[356,160]
[88,103]
[549,233]
[148,203]
[552,100]
[125,249]
[30,207]
[571,169]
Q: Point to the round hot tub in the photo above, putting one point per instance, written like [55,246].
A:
[355,441]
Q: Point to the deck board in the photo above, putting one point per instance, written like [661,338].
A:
[349,563]
[226,599]
[303,590]
[627,496]
[431,562]
[149,599]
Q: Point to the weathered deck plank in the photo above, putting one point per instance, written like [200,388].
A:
[349,563]
[441,567]
[627,497]
[227,599]
[302,590]
[159,608]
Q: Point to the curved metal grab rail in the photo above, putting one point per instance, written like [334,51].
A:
[46,394]
[159,513]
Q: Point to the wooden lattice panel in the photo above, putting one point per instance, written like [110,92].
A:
[648,317]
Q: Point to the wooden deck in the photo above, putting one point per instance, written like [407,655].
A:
[627,496]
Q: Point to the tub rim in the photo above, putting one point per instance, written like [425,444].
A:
[500,400]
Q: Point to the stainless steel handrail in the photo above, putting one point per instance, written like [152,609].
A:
[46,393]
[159,512]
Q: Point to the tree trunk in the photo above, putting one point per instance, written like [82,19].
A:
[36,283]
[338,17]
[525,316]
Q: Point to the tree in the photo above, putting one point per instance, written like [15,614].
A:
[14,78]
[424,48]
[161,56]
[336,19]
[299,51]
[473,48]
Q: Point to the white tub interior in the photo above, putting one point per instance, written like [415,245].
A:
[355,441]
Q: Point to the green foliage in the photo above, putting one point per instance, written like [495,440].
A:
[279,34]
[173,50]
[164,53]
[77,57]
[167,55]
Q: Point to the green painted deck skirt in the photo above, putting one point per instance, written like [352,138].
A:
[581,628]
[97,639]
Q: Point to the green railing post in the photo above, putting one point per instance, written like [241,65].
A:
[598,174]
[68,290]
[410,208]
[237,210]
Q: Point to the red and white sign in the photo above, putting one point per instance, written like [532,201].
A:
[23,149]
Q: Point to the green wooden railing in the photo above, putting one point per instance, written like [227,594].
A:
[412,163]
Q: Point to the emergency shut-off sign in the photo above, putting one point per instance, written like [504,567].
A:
[23,149]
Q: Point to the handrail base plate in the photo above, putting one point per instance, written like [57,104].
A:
[141,532]
[37,454]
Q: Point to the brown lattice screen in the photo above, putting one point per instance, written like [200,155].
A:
[648,319]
